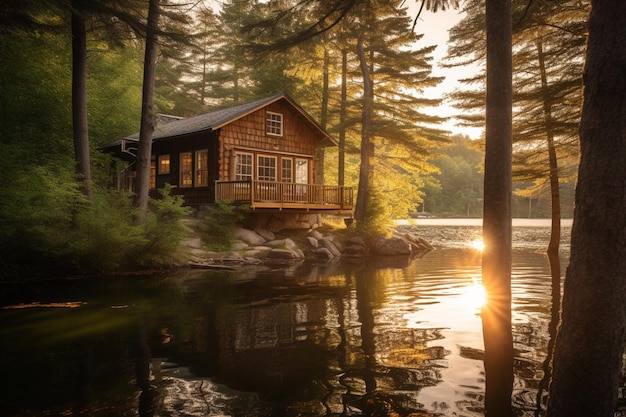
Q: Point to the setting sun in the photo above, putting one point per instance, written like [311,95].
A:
[475,295]
[477,244]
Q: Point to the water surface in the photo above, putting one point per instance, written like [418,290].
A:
[351,338]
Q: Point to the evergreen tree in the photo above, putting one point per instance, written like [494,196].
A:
[393,128]
[548,48]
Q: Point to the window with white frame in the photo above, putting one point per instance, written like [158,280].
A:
[266,168]
[243,167]
[186,170]
[274,123]
[286,172]
[202,168]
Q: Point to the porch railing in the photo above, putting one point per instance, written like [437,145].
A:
[271,194]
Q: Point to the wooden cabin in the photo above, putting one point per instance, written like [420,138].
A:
[260,153]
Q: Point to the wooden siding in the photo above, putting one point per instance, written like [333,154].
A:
[300,140]
[248,135]
[191,143]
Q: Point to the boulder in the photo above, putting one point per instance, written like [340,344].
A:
[335,241]
[249,236]
[313,243]
[391,246]
[255,252]
[356,240]
[282,243]
[418,243]
[266,234]
[323,254]
[316,235]
[281,254]
[326,243]
[239,246]
[355,249]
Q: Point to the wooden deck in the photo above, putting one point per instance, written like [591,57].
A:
[285,195]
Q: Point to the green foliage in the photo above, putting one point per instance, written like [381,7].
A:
[114,83]
[48,225]
[164,229]
[38,214]
[377,219]
[456,190]
[221,222]
[105,236]
[35,97]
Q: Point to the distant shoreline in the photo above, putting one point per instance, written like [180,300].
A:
[519,222]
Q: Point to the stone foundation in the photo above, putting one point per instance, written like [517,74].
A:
[277,221]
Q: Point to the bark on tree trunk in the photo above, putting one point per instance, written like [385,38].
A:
[342,117]
[555,200]
[555,228]
[319,173]
[366,121]
[79,98]
[496,315]
[590,343]
[144,152]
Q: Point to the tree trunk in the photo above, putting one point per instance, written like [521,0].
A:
[79,97]
[366,121]
[555,229]
[496,269]
[555,201]
[342,117]
[319,173]
[144,152]
[590,343]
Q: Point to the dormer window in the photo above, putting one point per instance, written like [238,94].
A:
[274,124]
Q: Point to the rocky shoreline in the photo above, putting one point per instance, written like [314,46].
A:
[261,246]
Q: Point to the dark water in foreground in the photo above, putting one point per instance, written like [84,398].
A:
[357,338]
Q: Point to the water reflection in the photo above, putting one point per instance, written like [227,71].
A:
[362,339]
[477,244]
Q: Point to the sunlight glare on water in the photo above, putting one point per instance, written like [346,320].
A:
[475,295]
[477,244]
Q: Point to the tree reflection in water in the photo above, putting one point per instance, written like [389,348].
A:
[315,340]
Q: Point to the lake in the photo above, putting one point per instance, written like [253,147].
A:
[357,337]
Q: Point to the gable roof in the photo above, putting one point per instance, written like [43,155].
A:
[216,119]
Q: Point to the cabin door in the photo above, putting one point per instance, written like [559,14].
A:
[302,177]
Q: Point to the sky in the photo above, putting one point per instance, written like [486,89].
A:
[435,27]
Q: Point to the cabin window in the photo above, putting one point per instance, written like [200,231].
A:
[286,172]
[164,164]
[266,168]
[243,167]
[186,171]
[274,124]
[202,168]
[152,172]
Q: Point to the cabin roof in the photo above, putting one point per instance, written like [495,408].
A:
[216,119]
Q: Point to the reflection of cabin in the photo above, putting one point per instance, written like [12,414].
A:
[260,153]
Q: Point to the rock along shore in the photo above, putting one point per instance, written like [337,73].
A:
[261,246]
